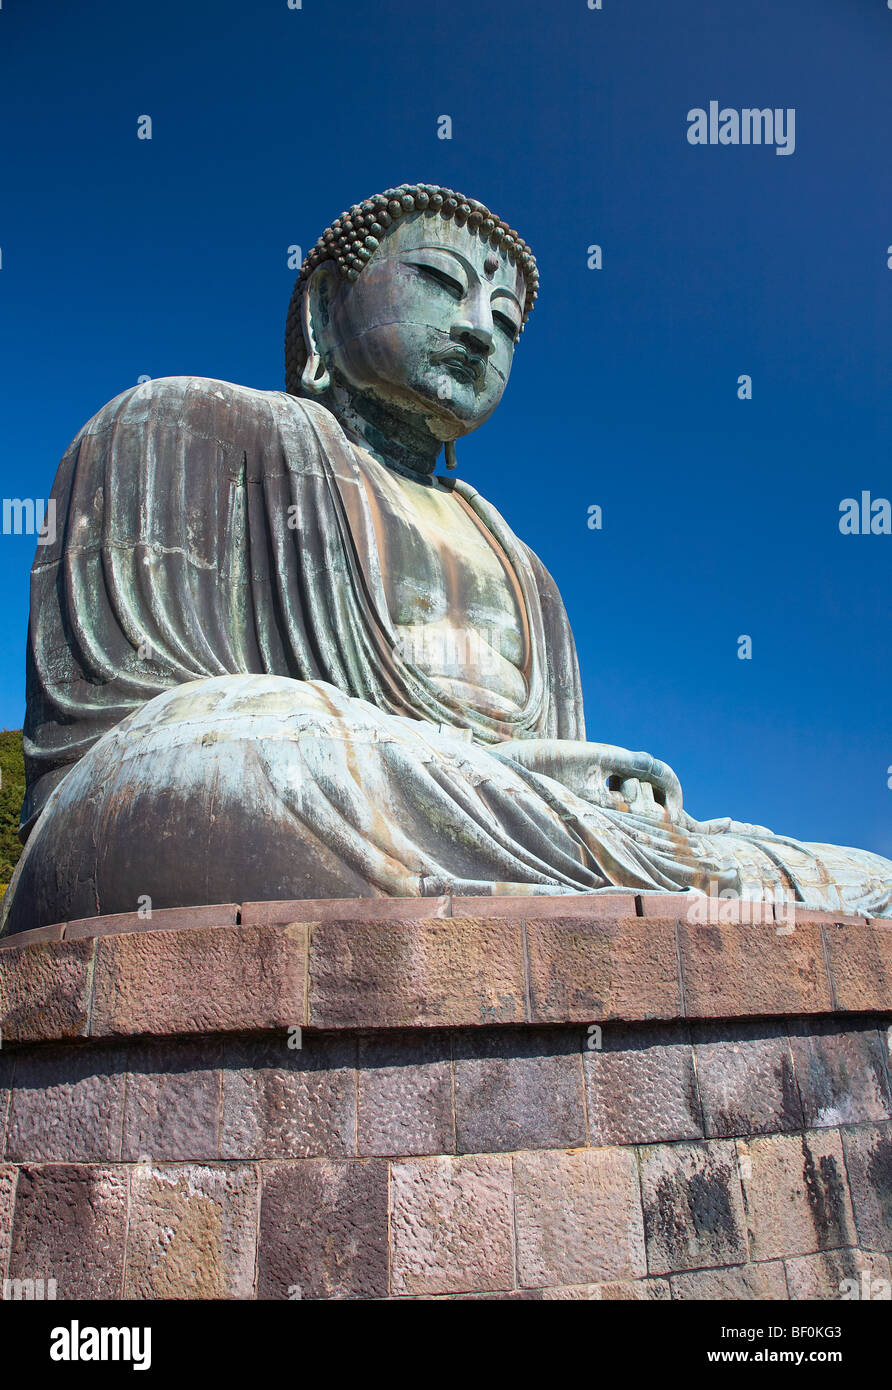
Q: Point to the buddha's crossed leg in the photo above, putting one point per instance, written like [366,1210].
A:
[241,788]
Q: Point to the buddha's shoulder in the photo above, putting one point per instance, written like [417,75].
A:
[199,404]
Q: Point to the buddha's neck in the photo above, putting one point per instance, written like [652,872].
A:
[397,439]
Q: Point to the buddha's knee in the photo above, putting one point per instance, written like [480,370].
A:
[249,702]
[179,802]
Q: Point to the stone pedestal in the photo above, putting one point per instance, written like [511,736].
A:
[586,1097]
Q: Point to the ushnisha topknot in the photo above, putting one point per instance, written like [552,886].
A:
[354,237]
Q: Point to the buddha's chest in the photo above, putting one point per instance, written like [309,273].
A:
[450,591]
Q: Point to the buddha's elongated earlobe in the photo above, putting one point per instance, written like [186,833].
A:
[314,380]
[315,377]
[451,460]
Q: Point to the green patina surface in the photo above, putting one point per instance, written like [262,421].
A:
[274,654]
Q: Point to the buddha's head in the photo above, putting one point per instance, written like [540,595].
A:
[408,310]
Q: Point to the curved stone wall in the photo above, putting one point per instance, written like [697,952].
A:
[591,1097]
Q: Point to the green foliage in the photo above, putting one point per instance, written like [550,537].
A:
[12,768]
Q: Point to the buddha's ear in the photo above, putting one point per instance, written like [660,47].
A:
[315,377]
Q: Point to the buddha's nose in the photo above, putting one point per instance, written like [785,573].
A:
[476,337]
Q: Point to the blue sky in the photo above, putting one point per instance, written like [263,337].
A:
[123,257]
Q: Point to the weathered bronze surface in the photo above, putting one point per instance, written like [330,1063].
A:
[273,655]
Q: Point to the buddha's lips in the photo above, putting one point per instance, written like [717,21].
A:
[467,362]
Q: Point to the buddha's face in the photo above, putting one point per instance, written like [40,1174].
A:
[429,326]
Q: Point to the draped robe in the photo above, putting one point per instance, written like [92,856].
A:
[219,709]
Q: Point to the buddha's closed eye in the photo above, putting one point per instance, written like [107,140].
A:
[506,325]
[440,277]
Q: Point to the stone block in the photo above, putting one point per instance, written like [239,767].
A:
[344,910]
[824,1276]
[641,1086]
[693,1206]
[172,1102]
[8,1176]
[422,974]
[746,970]
[860,960]
[280,1102]
[28,938]
[206,980]
[841,1072]
[621,1290]
[868,1151]
[518,1090]
[502,1296]
[700,908]
[404,1103]
[637,1290]
[323,1230]
[747,1080]
[162,919]
[828,919]
[675,906]
[588,971]
[739,1282]
[192,1231]
[70,1225]
[587,907]
[578,1217]
[67,1106]
[451,1225]
[797,1197]
[45,991]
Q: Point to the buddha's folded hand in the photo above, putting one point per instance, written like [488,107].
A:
[602,774]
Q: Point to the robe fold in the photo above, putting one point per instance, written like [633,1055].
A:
[208,530]
[219,708]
